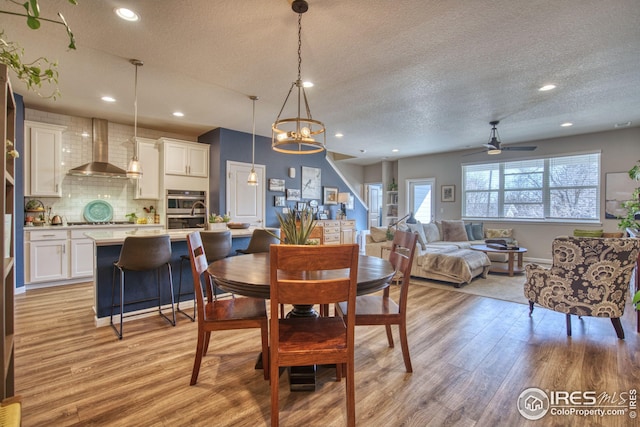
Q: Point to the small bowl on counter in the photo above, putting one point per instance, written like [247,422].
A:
[238,225]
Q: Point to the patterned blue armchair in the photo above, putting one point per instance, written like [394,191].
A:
[588,277]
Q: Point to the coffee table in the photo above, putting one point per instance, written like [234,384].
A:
[511,267]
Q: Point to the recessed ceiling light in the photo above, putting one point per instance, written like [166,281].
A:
[546,88]
[395,150]
[622,125]
[566,124]
[108,99]
[307,84]
[178,114]
[339,135]
[126,14]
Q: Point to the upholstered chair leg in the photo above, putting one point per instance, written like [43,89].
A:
[568,325]
[617,325]
[530,308]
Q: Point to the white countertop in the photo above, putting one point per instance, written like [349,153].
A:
[92,227]
[115,237]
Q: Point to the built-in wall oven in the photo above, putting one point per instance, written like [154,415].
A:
[186,209]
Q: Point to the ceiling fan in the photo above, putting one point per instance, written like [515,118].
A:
[494,144]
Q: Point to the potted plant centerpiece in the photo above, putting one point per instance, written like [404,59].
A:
[295,226]
[218,222]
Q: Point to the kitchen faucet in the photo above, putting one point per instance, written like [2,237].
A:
[206,210]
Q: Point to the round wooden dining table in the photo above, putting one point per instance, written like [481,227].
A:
[249,275]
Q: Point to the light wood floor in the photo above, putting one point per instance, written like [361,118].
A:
[472,357]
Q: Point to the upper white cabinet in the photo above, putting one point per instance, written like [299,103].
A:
[43,150]
[148,186]
[185,158]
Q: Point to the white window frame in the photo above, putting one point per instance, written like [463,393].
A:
[545,188]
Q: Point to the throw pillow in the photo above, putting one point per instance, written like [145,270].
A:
[587,233]
[417,228]
[378,234]
[496,233]
[453,231]
[469,230]
[609,235]
[431,232]
[478,231]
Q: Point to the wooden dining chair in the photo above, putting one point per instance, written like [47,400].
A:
[220,315]
[382,309]
[299,276]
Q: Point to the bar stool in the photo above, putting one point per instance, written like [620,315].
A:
[142,253]
[261,240]
[217,245]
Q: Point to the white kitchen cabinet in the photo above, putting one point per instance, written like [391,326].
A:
[185,158]
[148,186]
[43,151]
[48,256]
[81,257]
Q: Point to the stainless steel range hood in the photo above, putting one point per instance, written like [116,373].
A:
[100,165]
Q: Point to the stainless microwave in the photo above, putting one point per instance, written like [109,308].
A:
[182,201]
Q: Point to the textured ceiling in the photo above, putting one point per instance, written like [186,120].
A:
[416,75]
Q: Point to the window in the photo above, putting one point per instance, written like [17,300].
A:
[421,197]
[555,188]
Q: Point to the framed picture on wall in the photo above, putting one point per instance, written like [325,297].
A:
[330,195]
[279,201]
[448,193]
[276,184]
[311,178]
[293,194]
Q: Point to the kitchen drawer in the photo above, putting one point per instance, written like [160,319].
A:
[46,235]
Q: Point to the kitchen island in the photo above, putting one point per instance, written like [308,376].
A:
[142,285]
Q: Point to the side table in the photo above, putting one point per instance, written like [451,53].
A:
[511,268]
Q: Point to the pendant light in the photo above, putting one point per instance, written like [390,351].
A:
[298,135]
[134,170]
[253,176]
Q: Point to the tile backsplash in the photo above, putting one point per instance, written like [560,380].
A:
[77,191]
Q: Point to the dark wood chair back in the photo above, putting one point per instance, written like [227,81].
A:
[306,275]
[221,314]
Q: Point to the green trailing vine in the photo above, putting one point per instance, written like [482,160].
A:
[41,70]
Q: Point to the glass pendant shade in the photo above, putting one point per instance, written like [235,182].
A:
[253,178]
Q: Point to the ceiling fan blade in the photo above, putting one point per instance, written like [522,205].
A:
[527,148]
[475,152]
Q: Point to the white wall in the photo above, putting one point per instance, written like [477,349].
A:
[620,151]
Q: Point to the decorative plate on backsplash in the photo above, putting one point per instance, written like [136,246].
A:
[98,211]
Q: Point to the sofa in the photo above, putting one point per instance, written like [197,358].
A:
[442,251]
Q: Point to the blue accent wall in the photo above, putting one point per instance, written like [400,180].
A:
[232,145]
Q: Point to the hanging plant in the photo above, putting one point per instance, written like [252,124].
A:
[41,70]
